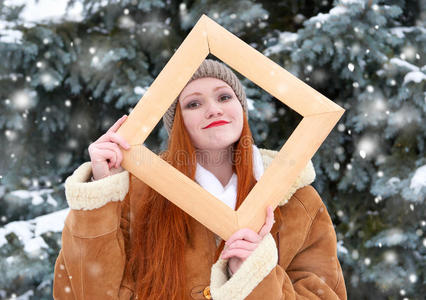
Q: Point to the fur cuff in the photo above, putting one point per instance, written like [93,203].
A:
[83,195]
[254,269]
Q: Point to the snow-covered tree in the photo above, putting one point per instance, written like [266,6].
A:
[65,79]
[371,170]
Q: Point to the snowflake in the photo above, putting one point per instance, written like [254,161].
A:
[408,52]
[24,99]
[390,257]
[366,146]
[126,22]
[10,135]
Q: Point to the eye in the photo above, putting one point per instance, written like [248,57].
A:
[192,104]
[225,97]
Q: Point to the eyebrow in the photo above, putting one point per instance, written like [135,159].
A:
[215,89]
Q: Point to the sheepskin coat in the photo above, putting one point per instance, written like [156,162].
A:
[296,260]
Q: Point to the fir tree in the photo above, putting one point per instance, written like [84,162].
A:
[371,170]
[65,80]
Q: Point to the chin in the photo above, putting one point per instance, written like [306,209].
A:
[217,145]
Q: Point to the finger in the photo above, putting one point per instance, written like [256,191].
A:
[117,151]
[246,234]
[111,161]
[239,253]
[241,244]
[107,155]
[102,155]
[117,124]
[119,140]
[269,222]
[113,147]
[114,137]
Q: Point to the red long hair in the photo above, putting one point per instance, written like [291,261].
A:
[161,229]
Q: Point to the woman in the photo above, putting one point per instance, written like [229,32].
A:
[123,240]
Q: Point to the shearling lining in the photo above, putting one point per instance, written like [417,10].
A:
[251,272]
[85,195]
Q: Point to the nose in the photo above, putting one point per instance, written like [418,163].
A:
[213,110]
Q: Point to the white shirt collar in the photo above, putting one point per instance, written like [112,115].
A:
[227,194]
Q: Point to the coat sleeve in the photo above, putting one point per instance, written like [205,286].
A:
[91,262]
[313,273]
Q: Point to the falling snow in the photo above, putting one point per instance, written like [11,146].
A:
[376,102]
[24,99]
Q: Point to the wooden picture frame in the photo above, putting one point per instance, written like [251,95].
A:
[319,113]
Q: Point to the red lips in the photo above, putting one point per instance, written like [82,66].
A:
[216,123]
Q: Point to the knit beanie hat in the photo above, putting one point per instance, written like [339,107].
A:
[210,68]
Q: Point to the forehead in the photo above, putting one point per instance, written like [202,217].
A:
[202,85]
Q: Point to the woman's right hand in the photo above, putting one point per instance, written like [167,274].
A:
[105,154]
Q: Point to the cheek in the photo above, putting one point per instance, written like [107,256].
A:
[190,121]
[237,112]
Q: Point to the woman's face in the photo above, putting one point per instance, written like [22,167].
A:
[207,100]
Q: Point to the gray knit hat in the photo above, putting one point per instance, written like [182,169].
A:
[210,68]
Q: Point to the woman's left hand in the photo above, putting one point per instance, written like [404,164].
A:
[243,242]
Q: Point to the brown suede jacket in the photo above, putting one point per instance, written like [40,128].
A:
[298,260]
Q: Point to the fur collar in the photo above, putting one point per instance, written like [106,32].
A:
[306,177]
